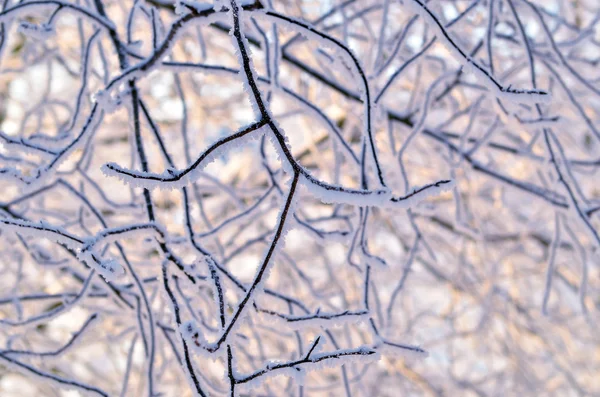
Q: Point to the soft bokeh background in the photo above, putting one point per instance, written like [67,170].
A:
[465,271]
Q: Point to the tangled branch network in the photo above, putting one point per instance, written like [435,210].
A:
[299,198]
